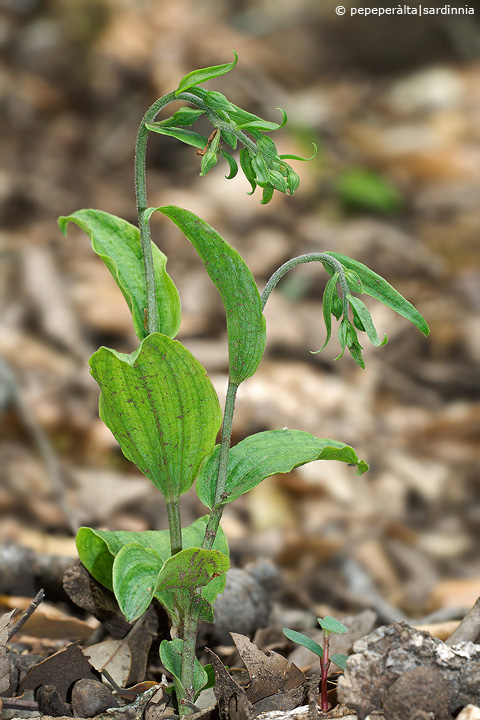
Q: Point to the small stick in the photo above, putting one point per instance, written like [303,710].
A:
[18,704]
[29,611]
[469,628]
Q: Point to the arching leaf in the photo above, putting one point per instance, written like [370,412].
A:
[380,289]
[200,76]
[269,453]
[235,283]
[117,243]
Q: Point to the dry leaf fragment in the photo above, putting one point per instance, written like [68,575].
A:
[4,660]
[61,670]
[270,672]
[112,655]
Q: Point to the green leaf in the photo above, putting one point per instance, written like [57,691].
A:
[269,453]
[97,550]
[234,281]
[268,147]
[264,125]
[135,573]
[182,118]
[117,243]
[209,160]
[229,138]
[200,76]
[190,568]
[278,181]
[233,165]
[182,573]
[293,180]
[380,289]
[331,625]
[187,136]
[353,281]
[171,652]
[298,157]
[162,409]
[261,169]
[304,640]
[247,167]
[366,320]
[328,295]
[340,660]
[267,194]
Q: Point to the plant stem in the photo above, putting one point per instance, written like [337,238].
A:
[217,510]
[174,525]
[310,257]
[151,310]
[190,623]
[324,666]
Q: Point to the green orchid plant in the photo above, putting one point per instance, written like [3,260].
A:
[159,402]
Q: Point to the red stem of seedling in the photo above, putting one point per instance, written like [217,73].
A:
[324,666]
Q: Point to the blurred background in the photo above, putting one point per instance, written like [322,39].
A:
[393,104]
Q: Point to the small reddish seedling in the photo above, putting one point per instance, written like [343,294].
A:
[330,626]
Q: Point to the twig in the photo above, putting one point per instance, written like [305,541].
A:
[469,628]
[18,704]
[24,617]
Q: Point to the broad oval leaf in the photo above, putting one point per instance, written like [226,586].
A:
[380,289]
[117,243]
[235,283]
[269,453]
[171,653]
[200,76]
[135,573]
[97,549]
[304,640]
[162,409]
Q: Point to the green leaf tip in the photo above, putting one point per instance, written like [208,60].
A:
[332,626]
[195,77]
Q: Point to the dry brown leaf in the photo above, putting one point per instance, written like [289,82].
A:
[114,656]
[4,661]
[61,670]
[269,672]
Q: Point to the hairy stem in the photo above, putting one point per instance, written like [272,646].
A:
[174,525]
[217,510]
[300,260]
[151,311]
[190,623]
